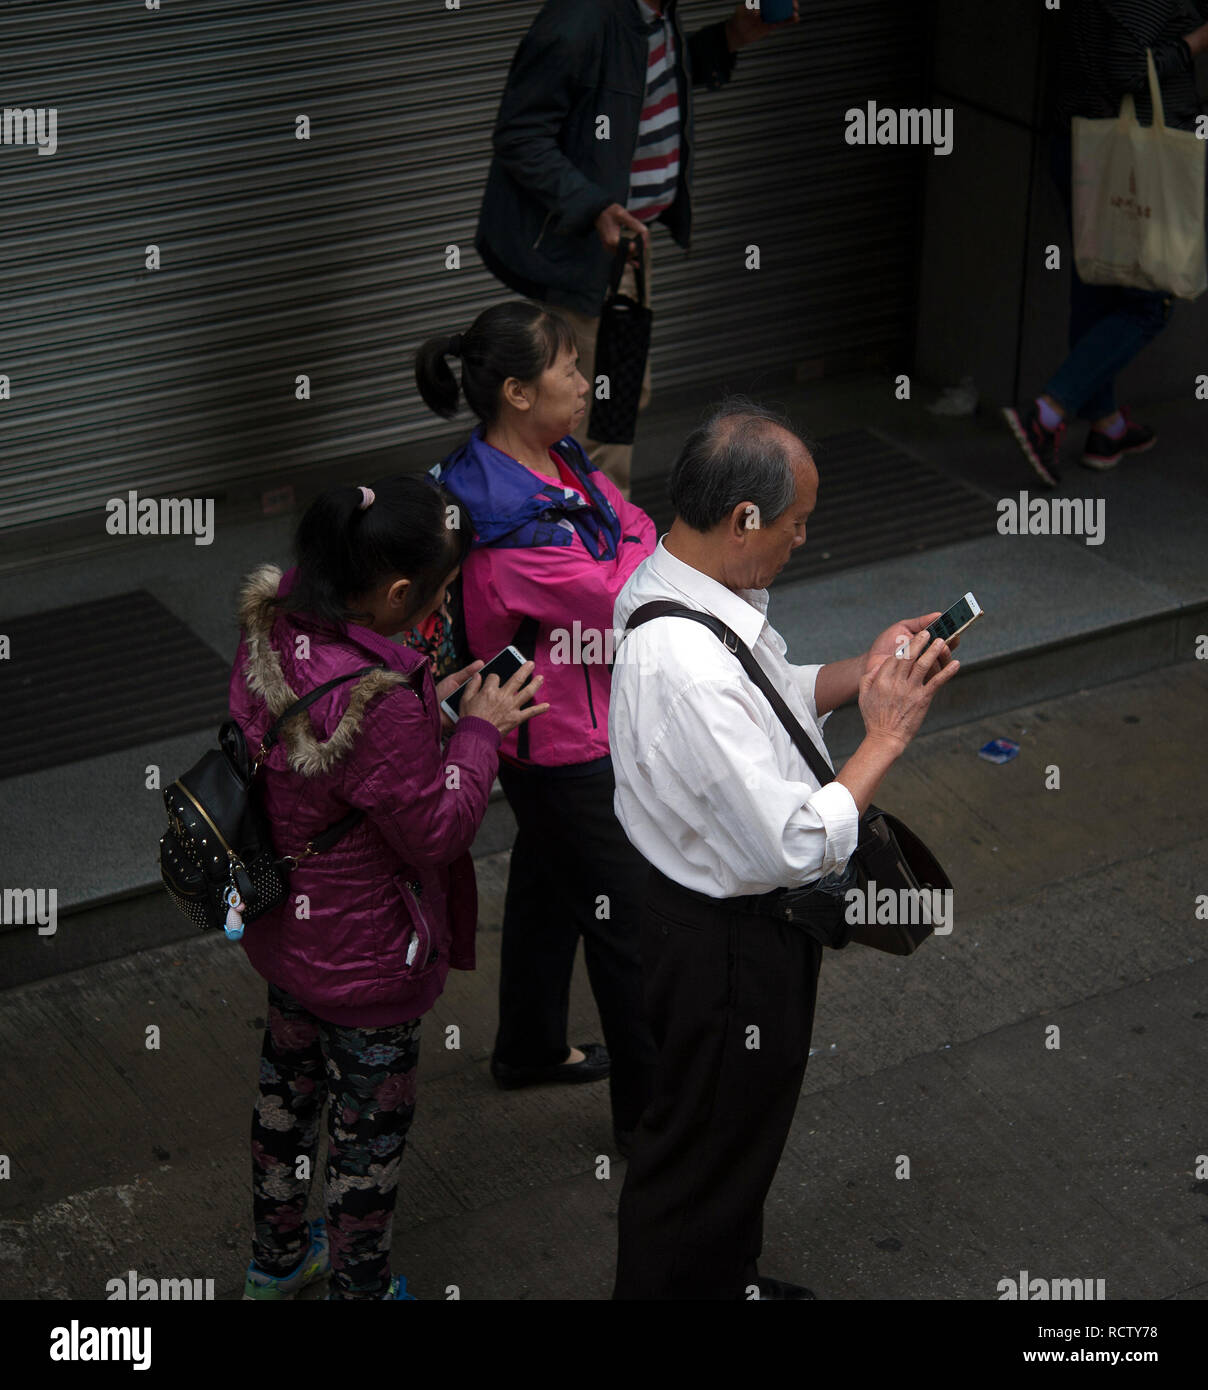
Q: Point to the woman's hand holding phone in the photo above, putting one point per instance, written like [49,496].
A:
[503,705]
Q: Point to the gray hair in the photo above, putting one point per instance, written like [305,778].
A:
[736,454]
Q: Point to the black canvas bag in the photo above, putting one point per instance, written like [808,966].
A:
[887,852]
[218,849]
[622,345]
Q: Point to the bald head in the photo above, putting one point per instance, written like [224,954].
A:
[742,452]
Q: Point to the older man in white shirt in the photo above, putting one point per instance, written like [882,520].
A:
[717,797]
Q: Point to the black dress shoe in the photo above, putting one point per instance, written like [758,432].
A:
[777,1288]
[595,1066]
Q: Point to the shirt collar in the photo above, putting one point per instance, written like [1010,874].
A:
[744,611]
[650,17]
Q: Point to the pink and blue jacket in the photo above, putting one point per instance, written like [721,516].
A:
[547,564]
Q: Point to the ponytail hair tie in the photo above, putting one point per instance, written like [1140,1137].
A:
[454,348]
[367,499]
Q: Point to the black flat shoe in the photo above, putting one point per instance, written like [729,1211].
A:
[777,1288]
[595,1066]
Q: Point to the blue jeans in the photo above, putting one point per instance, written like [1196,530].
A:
[1109,325]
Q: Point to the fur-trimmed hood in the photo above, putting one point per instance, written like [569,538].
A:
[307,754]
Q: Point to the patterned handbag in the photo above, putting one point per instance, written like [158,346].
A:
[622,345]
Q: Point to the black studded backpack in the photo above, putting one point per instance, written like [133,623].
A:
[217,859]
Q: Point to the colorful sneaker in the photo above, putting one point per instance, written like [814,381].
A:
[1103,452]
[316,1264]
[1041,447]
[396,1289]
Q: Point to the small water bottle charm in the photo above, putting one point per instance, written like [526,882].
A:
[236,907]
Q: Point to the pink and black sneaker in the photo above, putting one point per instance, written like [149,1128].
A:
[1041,447]
[1103,452]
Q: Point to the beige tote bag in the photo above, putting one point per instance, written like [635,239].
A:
[1139,201]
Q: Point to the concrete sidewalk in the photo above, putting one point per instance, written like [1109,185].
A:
[1074,907]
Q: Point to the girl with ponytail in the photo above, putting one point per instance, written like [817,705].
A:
[553,542]
[360,948]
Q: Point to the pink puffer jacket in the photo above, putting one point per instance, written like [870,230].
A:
[400,881]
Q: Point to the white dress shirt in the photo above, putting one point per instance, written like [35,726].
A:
[710,787]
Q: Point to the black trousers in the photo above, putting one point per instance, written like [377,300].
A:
[573,872]
[730,998]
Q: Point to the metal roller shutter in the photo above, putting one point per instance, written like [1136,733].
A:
[326,258]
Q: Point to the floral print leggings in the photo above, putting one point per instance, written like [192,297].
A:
[368,1074]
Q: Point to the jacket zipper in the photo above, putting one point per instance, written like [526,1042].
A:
[544,225]
[590,702]
[637,134]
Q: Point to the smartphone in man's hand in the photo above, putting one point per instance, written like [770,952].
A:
[955,620]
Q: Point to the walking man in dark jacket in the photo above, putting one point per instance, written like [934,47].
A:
[594,141]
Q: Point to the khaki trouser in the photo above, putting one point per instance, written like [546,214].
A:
[613,459]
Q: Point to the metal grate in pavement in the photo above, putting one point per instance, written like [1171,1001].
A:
[101,676]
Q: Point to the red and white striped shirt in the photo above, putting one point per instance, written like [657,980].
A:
[654,174]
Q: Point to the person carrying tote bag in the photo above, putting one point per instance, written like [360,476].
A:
[1138,195]
[1139,200]
[1107,54]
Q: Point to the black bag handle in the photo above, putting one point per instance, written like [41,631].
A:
[665,608]
[525,641]
[306,701]
[618,269]
[321,843]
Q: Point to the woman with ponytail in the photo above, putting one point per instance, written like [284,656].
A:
[360,947]
[553,544]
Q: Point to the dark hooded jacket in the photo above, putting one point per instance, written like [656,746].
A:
[582,63]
